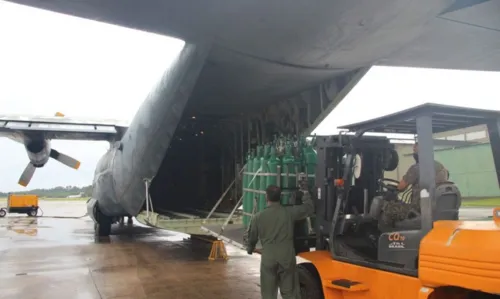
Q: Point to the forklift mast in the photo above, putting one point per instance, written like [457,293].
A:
[335,180]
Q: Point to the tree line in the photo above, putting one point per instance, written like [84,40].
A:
[57,192]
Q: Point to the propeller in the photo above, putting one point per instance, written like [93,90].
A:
[28,172]
[62,158]
[65,159]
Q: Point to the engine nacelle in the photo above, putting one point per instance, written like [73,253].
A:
[38,152]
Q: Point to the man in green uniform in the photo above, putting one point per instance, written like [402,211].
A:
[397,210]
[274,227]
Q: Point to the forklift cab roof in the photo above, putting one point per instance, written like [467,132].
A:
[444,118]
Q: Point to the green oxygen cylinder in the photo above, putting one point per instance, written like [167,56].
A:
[288,174]
[272,166]
[263,178]
[310,159]
[248,194]
[255,186]
[245,188]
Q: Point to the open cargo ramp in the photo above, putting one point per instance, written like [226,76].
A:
[185,223]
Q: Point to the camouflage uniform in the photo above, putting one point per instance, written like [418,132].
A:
[395,210]
[274,227]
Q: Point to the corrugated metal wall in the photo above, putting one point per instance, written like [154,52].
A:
[471,168]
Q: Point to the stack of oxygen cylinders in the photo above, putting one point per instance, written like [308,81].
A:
[277,163]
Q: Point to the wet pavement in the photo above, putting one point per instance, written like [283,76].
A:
[59,258]
[475,213]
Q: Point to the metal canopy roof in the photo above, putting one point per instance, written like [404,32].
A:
[444,118]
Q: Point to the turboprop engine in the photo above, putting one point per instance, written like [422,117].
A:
[39,151]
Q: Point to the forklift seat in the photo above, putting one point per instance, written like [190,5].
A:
[448,201]
[406,224]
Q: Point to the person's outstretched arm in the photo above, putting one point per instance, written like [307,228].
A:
[304,210]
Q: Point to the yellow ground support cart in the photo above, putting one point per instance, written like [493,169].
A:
[21,204]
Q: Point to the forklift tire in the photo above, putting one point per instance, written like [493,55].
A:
[32,213]
[310,285]
[3,213]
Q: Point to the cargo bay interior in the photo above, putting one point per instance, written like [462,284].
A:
[220,125]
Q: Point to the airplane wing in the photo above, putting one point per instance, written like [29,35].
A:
[35,131]
[60,128]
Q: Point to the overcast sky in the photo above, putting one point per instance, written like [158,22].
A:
[51,62]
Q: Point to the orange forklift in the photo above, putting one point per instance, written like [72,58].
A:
[431,254]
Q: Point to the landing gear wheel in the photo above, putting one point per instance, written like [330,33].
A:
[130,221]
[102,229]
[310,286]
[33,212]
[3,213]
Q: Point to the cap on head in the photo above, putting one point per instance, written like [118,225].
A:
[273,193]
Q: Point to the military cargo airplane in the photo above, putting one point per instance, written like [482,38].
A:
[36,132]
[253,69]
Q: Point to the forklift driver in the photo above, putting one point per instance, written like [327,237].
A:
[395,210]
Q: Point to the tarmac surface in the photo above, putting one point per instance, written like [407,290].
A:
[59,258]
[475,213]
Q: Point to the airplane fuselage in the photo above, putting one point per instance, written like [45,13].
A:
[271,67]
[119,182]
[104,187]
